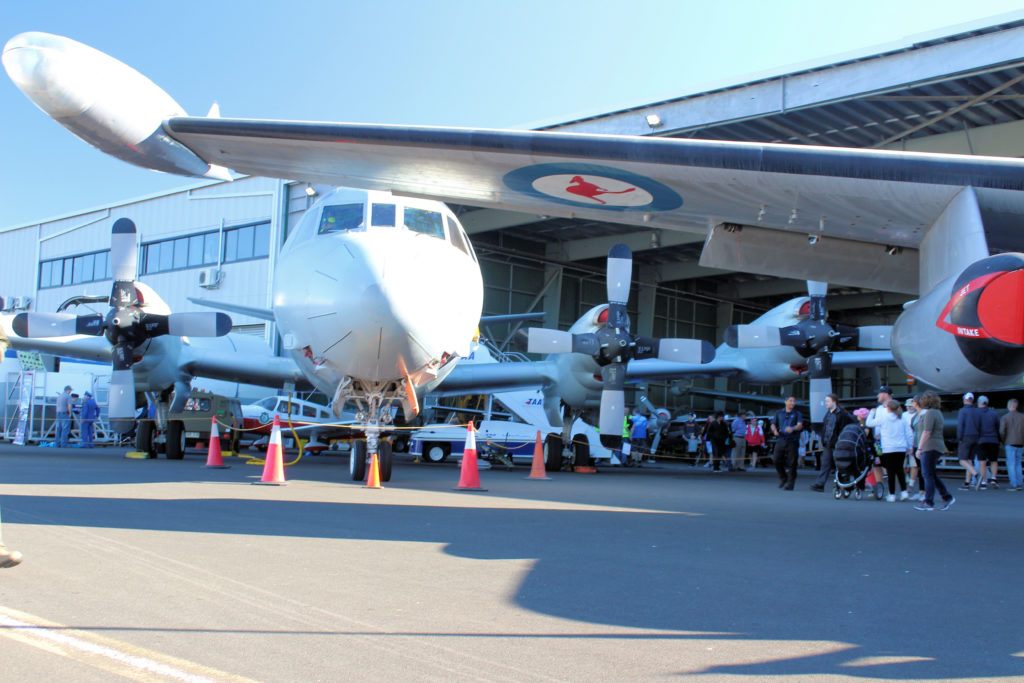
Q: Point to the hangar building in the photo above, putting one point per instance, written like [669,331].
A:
[961,93]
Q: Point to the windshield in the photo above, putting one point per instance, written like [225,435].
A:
[341,217]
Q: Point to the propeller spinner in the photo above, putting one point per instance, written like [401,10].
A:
[613,346]
[126,325]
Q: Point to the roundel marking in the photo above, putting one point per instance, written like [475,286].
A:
[593,186]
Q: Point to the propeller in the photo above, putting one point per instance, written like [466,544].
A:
[613,346]
[814,339]
[125,325]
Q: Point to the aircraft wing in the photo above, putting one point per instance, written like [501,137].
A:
[481,378]
[873,195]
[240,358]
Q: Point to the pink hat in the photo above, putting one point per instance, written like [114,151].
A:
[861,412]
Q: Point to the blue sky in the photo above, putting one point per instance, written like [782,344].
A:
[479,63]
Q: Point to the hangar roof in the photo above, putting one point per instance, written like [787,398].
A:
[937,86]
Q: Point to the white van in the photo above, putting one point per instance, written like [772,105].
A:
[437,442]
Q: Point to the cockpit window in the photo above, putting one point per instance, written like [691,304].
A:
[425,222]
[457,238]
[382,215]
[341,217]
[268,402]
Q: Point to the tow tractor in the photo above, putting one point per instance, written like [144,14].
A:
[187,427]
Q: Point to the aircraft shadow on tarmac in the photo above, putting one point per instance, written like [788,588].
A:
[670,573]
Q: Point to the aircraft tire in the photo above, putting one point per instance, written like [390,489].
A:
[175,440]
[384,459]
[357,460]
[144,438]
[553,453]
[436,451]
[581,452]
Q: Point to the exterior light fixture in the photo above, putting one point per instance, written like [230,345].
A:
[654,121]
[310,191]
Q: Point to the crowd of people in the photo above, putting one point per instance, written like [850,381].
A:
[902,445]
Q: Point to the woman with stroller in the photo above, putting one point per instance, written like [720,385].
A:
[897,441]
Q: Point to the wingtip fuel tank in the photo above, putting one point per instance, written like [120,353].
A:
[101,100]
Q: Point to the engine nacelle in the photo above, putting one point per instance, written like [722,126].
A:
[968,332]
[103,101]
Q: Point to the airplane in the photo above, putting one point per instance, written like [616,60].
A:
[912,222]
[352,309]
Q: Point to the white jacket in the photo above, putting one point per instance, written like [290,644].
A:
[894,434]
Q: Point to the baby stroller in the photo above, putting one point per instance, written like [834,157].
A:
[852,457]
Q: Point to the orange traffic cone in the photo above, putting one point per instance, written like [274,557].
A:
[469,473]
[537,471]
[373,476]
[273,466]
[213,456]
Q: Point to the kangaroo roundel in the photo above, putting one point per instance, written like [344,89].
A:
[591,185]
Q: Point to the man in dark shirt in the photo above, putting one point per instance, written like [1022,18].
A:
[835,419]
[786,426]
[988,445]
[968,429]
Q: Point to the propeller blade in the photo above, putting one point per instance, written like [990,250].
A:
[121,406]
[693,351]
[820,388]
[818,291]
[752,336]
[613,404]
[613,409]
[123,252]
[874,337]
[618,275]
[123,295]
[39,325]
[199,324]
[543,340]
[586,343]
[819,367]
[89,324]
[618,319]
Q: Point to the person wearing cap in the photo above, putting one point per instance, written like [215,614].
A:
[1011,433]
[64,402]
[874,422]
[967,432]
[832,424]
[90,411]
[988,445]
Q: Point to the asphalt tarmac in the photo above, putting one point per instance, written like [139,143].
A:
[166,570]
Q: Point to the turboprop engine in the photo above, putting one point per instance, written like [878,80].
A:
[969,330]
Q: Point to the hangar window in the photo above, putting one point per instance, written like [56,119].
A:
[341,217]
[241,243]
[382,215]
[424,222]
[74,270]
